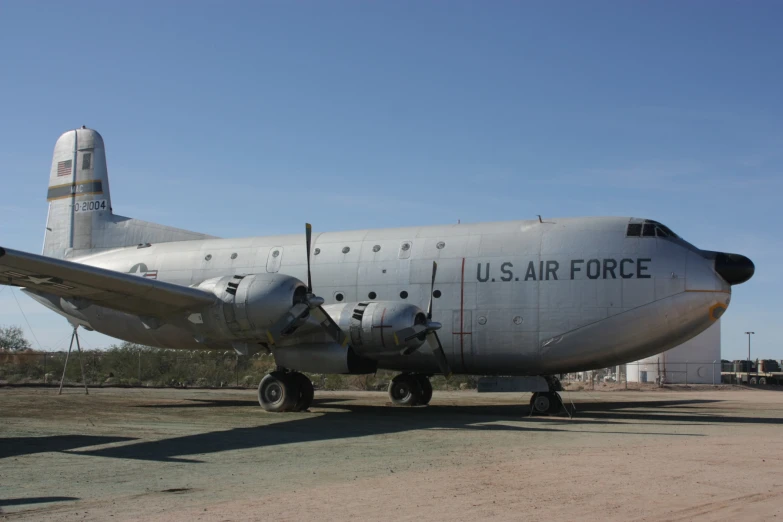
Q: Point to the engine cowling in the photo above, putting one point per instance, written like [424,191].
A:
[371,326]
[249,304]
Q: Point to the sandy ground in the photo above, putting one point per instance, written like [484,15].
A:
[215,455]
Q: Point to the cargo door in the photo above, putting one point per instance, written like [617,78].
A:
[462,338]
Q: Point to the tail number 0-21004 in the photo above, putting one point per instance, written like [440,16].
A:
[90,206]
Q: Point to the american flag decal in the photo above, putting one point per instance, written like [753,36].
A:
[64,168]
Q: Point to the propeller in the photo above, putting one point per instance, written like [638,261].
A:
[310,305]
[427,330]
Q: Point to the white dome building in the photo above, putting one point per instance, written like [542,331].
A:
[694,362]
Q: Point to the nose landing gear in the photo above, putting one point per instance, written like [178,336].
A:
[548,402]
[545,402]
[285,391]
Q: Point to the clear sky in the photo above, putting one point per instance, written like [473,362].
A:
[241,119]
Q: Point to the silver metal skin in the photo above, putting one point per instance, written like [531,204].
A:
[526,297]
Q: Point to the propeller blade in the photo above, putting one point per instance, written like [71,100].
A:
[410,333]
[432,289]
[331,327]
[440,355]
[277,330]
[308,239]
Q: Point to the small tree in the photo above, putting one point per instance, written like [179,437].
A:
[12,339]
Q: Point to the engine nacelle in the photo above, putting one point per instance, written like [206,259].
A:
[371,326]
[249,304]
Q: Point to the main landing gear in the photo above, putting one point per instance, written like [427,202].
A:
[285,391]
[409,389]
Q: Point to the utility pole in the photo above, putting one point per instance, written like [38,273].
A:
[749,365]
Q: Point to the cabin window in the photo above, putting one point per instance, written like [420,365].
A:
[634,230]
[648,230]
[403,295]
[372,295]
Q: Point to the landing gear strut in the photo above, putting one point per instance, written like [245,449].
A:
[285,391]
[410,390]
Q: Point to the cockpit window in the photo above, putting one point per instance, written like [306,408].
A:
[666,230]
[649,228]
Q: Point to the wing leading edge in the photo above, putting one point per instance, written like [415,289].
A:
[115,290]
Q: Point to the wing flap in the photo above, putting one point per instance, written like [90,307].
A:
[124,292]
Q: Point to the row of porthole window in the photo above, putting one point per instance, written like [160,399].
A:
[376,248]
[339,296]
[209,256]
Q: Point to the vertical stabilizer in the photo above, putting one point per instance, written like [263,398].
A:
[80,219]
[79,198]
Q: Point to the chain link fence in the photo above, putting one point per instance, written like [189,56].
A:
[640,375]
[140,367]
[152,367]
[132,366]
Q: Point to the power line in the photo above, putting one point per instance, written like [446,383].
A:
[28,322]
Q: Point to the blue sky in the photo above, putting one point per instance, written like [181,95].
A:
[241,119]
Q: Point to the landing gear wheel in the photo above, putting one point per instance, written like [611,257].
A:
[405,390]
[426,389]
[306,391]
[277,392]
[545,402]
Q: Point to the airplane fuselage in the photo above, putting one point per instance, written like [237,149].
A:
[514,298]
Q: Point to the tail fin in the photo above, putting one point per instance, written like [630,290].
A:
[81,220]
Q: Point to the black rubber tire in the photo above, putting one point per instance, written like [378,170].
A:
[277,393]
[554,403]
[404,390]
[306,391]
[545,403]
[763,381]
[426,389]
[753,381]
[540,402]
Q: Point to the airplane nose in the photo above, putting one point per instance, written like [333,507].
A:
[734,268]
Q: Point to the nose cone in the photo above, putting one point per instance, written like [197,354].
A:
[734,268]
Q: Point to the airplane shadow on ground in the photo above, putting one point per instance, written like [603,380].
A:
[17,446]
[5,502]
[344,419]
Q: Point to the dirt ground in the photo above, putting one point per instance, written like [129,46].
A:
[140,454]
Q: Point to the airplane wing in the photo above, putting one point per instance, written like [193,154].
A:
[115,290]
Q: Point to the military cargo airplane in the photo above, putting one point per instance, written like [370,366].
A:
[521,298]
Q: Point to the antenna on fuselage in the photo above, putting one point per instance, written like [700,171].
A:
[539,218]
